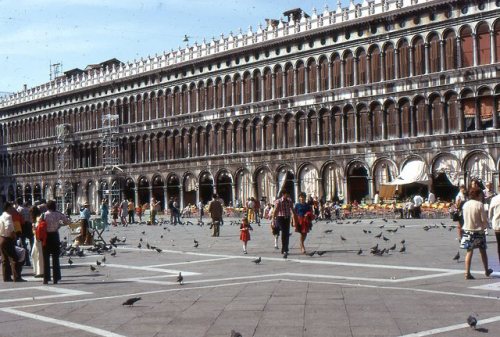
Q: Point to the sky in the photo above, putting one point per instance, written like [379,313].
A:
[76,33]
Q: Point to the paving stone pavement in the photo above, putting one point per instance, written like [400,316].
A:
[421,292]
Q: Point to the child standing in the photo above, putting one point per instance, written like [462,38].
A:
[245,229]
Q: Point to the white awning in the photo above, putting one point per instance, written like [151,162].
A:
[413,172]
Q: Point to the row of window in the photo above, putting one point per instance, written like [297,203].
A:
[338,125]
[337,71]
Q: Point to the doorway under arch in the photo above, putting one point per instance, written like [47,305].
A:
[224,187]
[357,182]
[189,187]
[143,190]
[159,191]
[286,182]
[206,187]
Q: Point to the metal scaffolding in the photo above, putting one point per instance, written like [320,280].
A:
[111,158]
[64,189]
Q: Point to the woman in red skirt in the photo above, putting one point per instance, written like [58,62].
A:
[303,221]
[245,229]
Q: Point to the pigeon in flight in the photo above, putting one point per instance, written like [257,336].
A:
[131,301]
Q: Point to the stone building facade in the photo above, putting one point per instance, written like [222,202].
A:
[335,103]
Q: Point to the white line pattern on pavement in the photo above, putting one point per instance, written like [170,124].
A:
[66,324]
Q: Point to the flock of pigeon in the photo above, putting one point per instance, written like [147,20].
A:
[101,248]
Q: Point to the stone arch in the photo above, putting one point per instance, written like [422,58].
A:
[384,171]
[357,174]
[286,180]
[308,180]
[445,170]
[206,186]
[224,186]
[478,165]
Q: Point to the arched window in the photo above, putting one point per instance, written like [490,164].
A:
[349,69]
[336,69]
[267,84]
[312,74]
[323,74]
[450,50]
[452,113]
[301,81]
[484,43]
[257,86]
[419,56]
[486,106]
[365,125]
[389,62]
[177,101]
[247,88]
[375,64]
[390,119]
[467,48]
[237,90]
[405,120]
[377,120]
[438,118]
[228,89]
[278,82]
[289,80]
[421,116]
[218,93]
[210,94]
[434,53]
[201,98]
[192,99]
[349,124]
[361,64]
[404,57]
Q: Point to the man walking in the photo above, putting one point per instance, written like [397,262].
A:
[216,211]
[282,215]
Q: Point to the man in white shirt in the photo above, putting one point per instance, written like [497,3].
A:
[376,198]
[418,201]
[10,267]
[431,198]
[494,216]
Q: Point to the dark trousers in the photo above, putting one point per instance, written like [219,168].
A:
[284,225]
[27,234]
[51,248]
[10,267]
[131,217]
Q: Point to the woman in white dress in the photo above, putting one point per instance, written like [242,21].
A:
[36,252]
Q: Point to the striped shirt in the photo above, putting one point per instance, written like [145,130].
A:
[54,220]
[283,207]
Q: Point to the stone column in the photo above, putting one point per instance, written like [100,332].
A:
[197,99]
[413,126]
[165,196]
[252,89]
[233,91]
[477,119]
[181,197]
[318,75]
[426,55]
[410,49]
[296,188]
[493,47]
[223,86]
[459,52]
[474,50]
[342,72]
[461,122]
[355,70]
[368,68]
[273,86]
[262,89]
[441,55]
[495,112]
[233,189]
[330,77]
[306,79]
[396,63]
[295,81]
[370,187]
[136,195]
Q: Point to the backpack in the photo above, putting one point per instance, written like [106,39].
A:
[41,230]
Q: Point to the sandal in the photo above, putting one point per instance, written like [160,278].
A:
[469,277]
[488,272]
